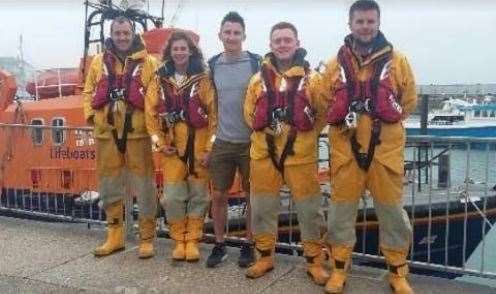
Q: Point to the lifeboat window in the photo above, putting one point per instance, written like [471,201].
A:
[484,113]
[37,133]
[477,113]
[492,114]
[58,136]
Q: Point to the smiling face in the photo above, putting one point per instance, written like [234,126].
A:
[364,25]
[232,36]
[284,43]
[122,36]
[180,53]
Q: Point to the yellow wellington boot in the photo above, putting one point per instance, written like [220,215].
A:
[398,270]
[194,233]
[315,256]
[340,261]
[398,281]
[265,247]
[147,227]
[115,231]
[177,230]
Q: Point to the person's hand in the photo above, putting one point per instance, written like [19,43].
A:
[91,120]
[168,150]
[206,159]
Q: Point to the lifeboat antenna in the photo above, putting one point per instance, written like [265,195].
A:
[103,11]
[163,11]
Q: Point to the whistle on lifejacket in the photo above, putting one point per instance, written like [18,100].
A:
[309,113]
[264,87]
[114,96]
[278,116]
[283,85]
[351,120]
[199,110]
[202,113]
[193,91]
[276,127]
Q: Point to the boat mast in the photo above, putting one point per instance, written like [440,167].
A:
[98,12]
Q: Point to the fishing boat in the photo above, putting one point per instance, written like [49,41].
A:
[459,117]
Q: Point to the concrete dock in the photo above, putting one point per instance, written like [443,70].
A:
[42,257]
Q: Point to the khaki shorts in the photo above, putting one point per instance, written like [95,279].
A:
[225,159]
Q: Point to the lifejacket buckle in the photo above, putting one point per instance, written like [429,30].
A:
[279,114]
[117,94]
[171,118]
[360,106]
[367,105]
[363,160]
[351,120]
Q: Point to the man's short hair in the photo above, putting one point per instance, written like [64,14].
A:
[284,25]
[233,16]
[364,5]
[121,19]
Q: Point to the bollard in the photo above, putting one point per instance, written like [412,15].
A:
[443,171]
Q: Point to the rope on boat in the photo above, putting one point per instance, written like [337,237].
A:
[482,214]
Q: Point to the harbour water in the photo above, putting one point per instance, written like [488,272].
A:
[485,251]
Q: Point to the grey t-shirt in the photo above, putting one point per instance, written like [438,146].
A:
[231,80]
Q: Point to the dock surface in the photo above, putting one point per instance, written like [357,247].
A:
[44,257]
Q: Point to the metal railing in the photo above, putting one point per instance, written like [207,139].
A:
[43,178]
[452,200]
[448,195]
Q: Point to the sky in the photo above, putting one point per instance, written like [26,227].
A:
[446,41]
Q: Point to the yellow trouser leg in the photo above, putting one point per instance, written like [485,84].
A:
[340,262]
[115,231]
[303,182]
[395,230]
[147,228]
[265,247]
[177,230]
[194,232]
[398,270]
[314,256]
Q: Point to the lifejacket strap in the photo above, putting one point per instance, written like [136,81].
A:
[189,154]
[364,160]
[122,142]
[288,149]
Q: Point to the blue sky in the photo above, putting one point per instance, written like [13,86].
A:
[445,41]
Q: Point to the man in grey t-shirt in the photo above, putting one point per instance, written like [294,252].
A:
[231,71]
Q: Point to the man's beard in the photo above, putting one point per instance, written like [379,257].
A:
[364,44]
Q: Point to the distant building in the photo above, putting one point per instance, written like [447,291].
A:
[22,71]
[458,89]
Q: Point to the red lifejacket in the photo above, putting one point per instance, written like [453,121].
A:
[374,96]
[290,104]
[113,87]
[182,104]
